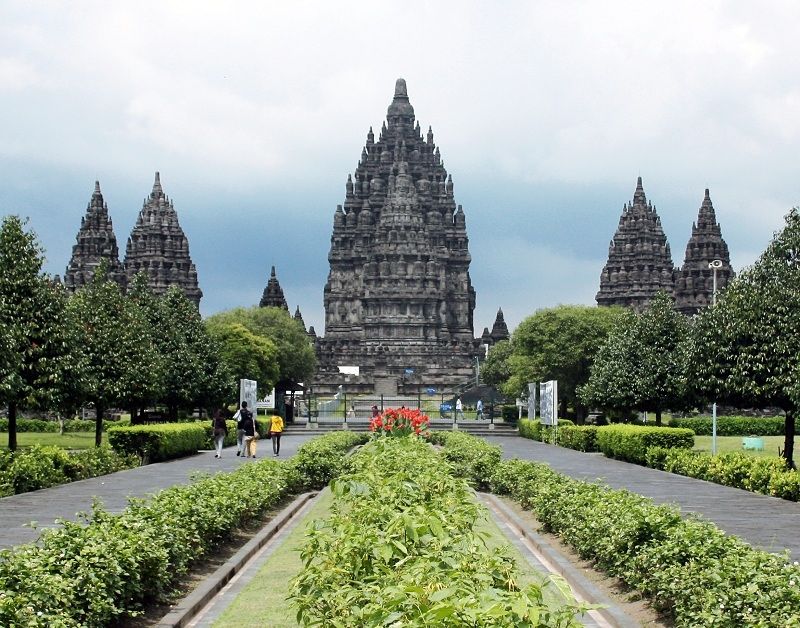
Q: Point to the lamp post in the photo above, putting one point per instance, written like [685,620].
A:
[714,266]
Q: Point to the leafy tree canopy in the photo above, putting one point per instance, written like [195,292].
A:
[246,355]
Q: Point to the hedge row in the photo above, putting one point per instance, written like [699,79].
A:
[533,429]
[688,568]
[734,425]
[40,425]
[96,573]
[580,437]
[42,466]
[473,459]
[630,442]
[154,443]
[767,475]
[401,548]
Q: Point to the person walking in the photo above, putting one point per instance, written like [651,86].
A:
[250,432]
[241,417]
[479,410]
[459,408]
[275,431]
[220,429]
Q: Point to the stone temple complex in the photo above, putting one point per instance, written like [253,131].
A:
[95,242]
[157,246]
[399,300]
[640,262]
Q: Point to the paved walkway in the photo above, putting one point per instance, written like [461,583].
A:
[765,522]
[66,500]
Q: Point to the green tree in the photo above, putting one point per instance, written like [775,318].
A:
[746,350]
[642,364]
[296,359]
[35,355]
[559,343]
[192,369]
[495,370]
[246,355]
[118,361]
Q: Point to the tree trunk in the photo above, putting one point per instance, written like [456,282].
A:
[173,413]
[12,426]
[658,417]
[98,424]
[788,442]
[580,413]
[563,409]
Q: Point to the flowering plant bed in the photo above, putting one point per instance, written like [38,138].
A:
[400,422]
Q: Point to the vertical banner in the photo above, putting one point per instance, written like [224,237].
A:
[248,391]
[531,401]
[548,402]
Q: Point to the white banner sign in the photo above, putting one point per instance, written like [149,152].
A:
[349,370]
[531,401]
[248,391]
[548,402]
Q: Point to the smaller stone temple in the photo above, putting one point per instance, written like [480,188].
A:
[95,242]
[499,331]
[159,247]
[694,282]
[273,294]
[639,258]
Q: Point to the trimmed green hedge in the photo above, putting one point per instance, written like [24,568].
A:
[95,573]
[734,425]
[318,461]
[580,437]
[154,443]
[43,466]
[688,568]
[767,475]
[630,442]
[40,425]
[533,429]
[471,458]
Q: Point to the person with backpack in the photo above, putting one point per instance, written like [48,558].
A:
[242,416]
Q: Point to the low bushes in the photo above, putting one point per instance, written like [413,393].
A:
[734,425]
[40,425]
[630,442]
[153,443]
[94,573]
[688,568]
[320,460]
[472,458]
[767,476]
[400,548]
[533,429]
[43,466]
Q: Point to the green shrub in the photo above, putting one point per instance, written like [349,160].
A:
[630,442]
[42,466]
[689,569]
[40,425]
[472,458]
[320,460]
[400,548]
[510,413]
[580,437]
[96,572]
[154,443]
[733,425]
[533,429]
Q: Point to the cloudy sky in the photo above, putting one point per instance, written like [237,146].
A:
[545,113]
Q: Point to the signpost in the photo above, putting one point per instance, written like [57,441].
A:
[532,401]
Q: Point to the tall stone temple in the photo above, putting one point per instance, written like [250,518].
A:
[640,262]
[95,242]
[158,246]
[694,282]
[273,293]
[399,300]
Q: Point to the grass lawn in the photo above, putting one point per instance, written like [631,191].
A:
[734,443]
[70,440]
[262,601]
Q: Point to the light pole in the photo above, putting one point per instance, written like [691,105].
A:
[714,266]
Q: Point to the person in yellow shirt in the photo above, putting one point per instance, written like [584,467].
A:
[275,431]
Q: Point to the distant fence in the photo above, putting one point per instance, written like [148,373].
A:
[356,409]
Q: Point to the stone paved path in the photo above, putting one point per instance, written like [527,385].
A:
[47,505]
[765,522]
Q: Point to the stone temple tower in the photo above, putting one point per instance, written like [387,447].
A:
[158,246]
[273,293]
[694,282]
[639,259]
[95,242]
[399,300]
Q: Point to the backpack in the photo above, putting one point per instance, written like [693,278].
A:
[244,416]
